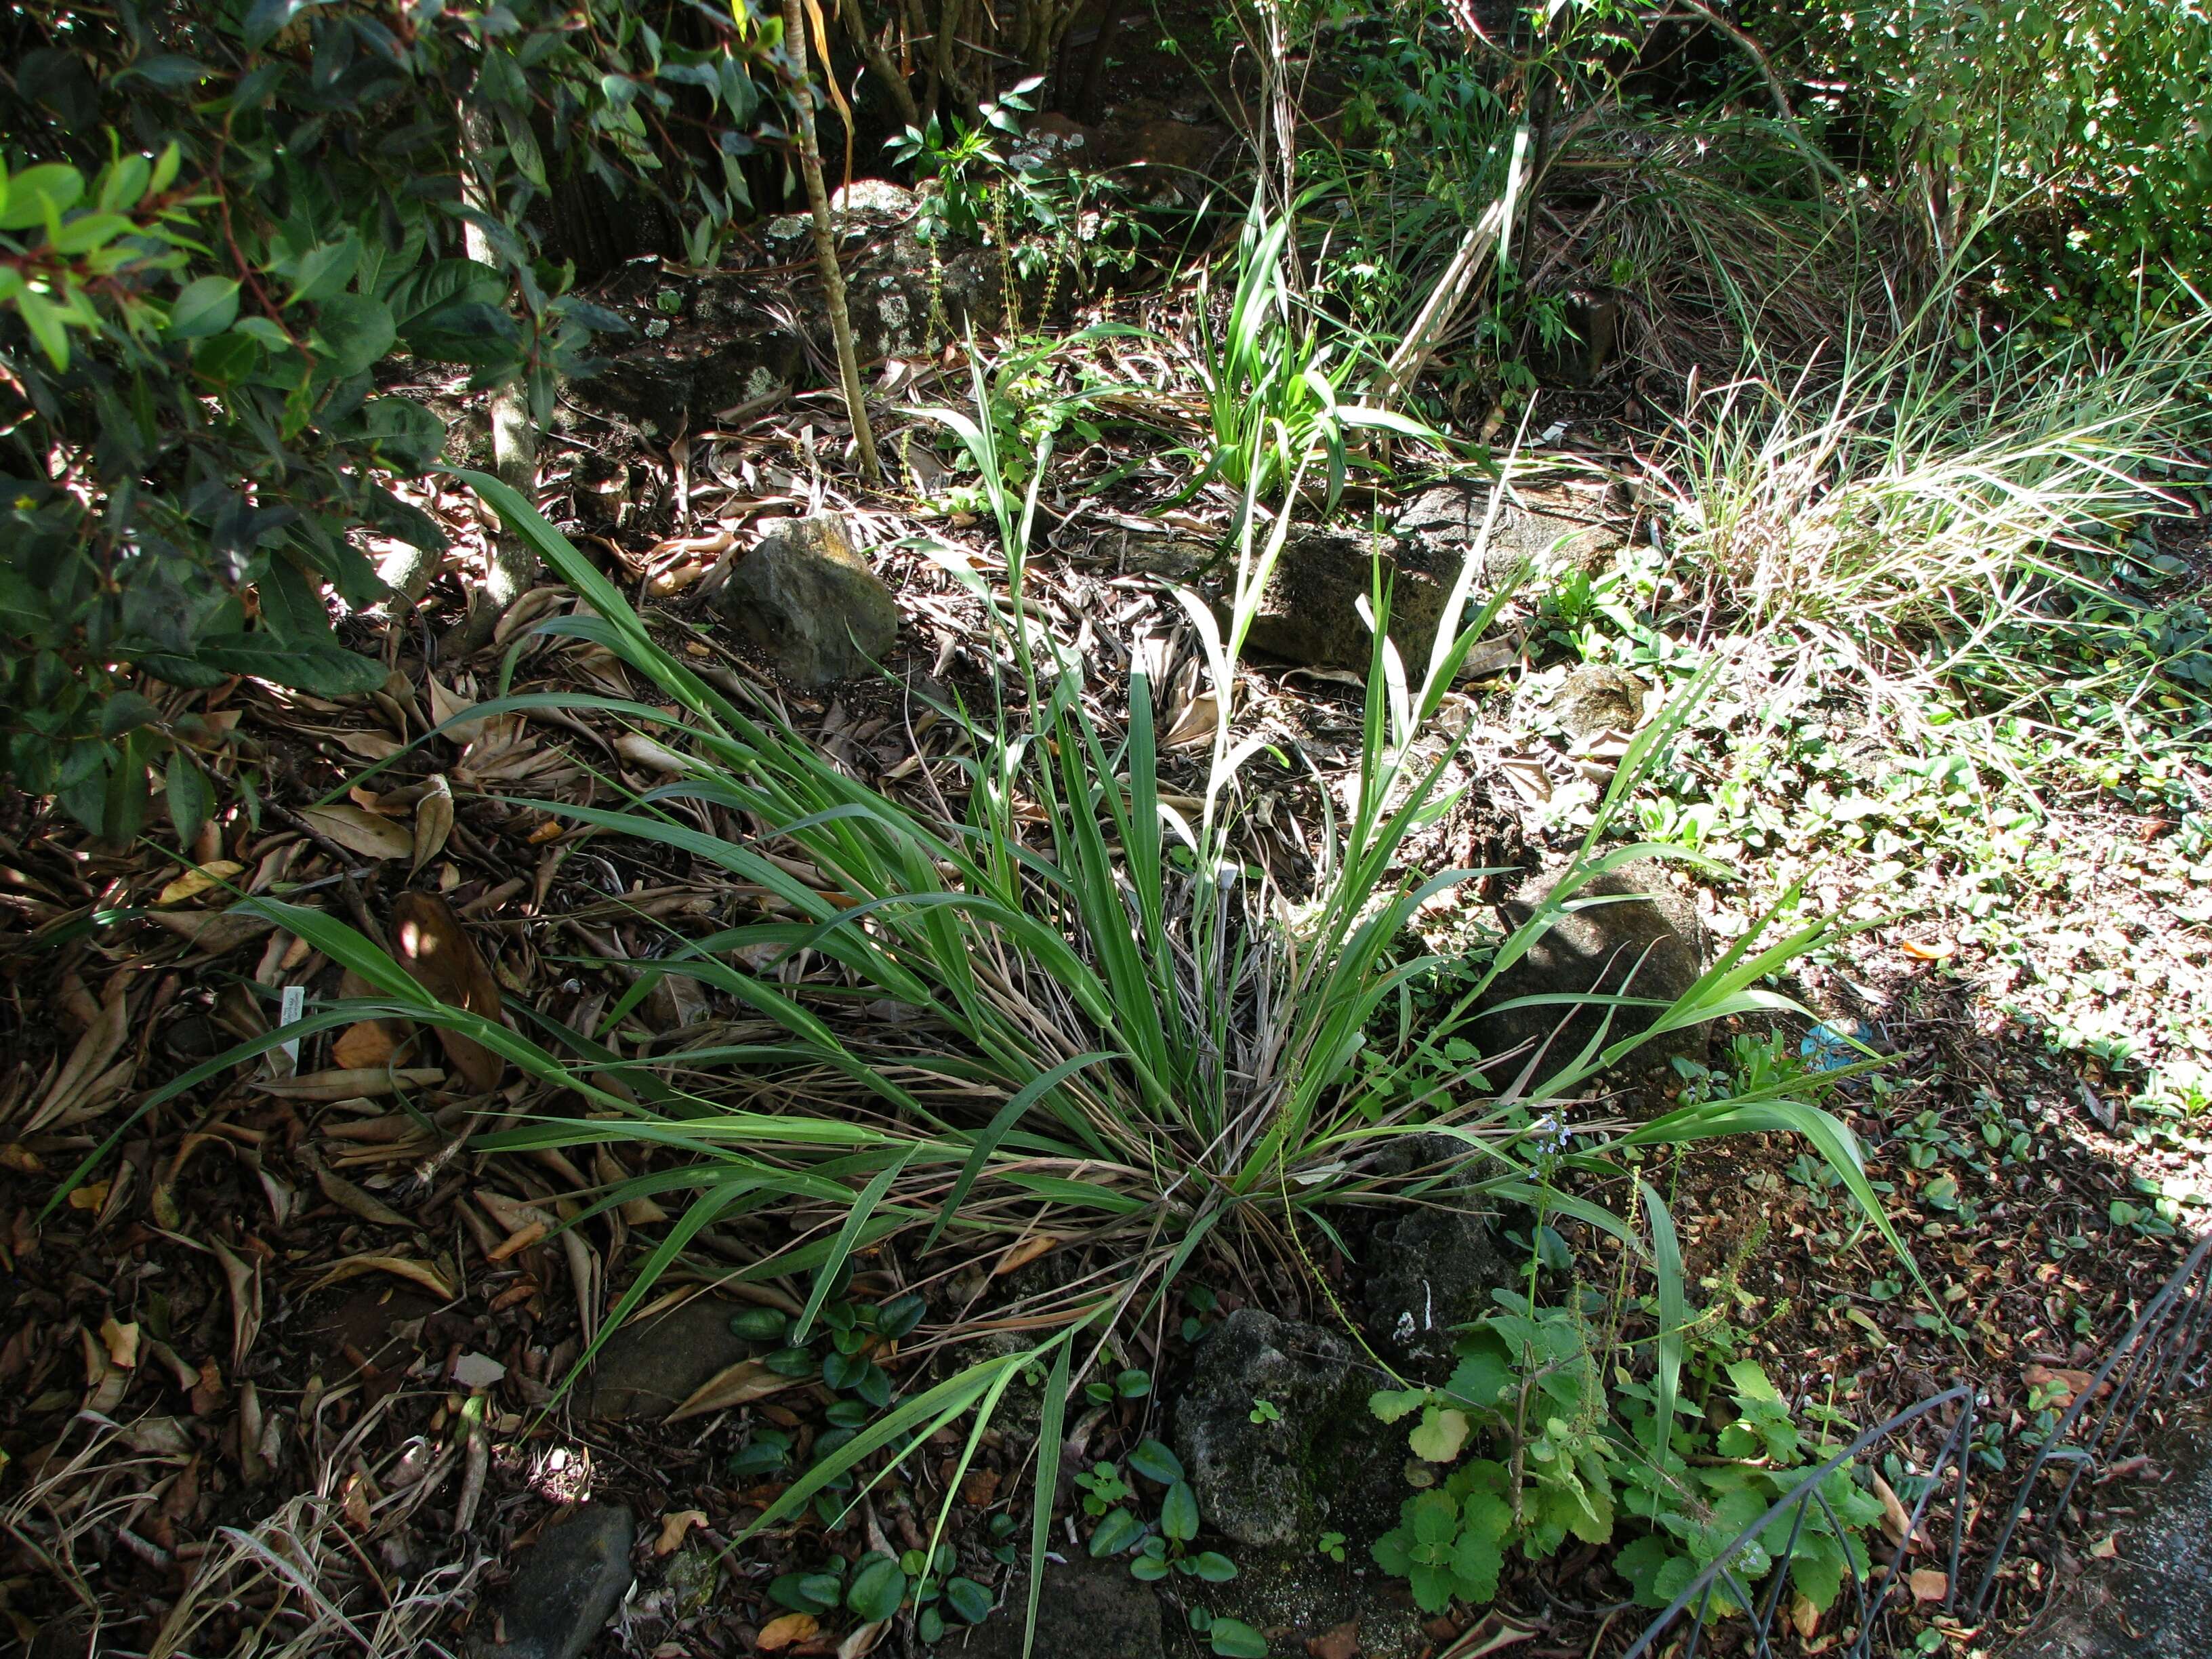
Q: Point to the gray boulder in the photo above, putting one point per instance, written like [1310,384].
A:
[1271,1482]
[809,604]
[1094,1608]
[1642,938]
[1310,611]
[1536,523]
[568,1585]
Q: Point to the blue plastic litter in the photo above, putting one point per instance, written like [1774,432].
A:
[1827,1050]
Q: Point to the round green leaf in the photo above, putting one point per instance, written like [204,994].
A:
[877,1588]
[1116,1532]
[1234,1639]
[969,1599]
[1156,1463]
[760,1324]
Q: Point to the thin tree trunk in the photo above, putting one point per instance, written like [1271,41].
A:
[511,566]
[825,239]
[880,63]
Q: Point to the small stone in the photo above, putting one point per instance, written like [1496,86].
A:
[648,1368]
[1310,611]
[569,1584]
[874,196]
[1645,940]
[1093,1608]
[811,604]
[1598,697]
[478,1370]
[1257,1482]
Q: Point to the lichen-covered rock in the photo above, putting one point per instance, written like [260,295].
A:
[809,603]
[1598,697]
[1094,1608]
[1433,1259]
[1536,525]
[566,1587]
[1271,1481]
[1630,934]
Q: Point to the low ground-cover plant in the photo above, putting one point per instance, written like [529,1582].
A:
[1577,1457]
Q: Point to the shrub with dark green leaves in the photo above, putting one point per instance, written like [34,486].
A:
[2082,120]
[218,222]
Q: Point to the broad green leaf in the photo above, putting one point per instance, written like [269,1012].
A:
[1440,1434]
[356,330]
[1233,1638]
[207,305]
[1156,1463]
[1179,1512]
[1116,1531]
[51,187]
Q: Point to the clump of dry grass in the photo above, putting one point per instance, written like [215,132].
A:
[1711,235]
[337,1569]
[1918,495]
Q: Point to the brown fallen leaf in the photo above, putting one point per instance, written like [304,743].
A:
[1895,1520]
[87,1077]
[365,1043]
[354,1503]
[122,1342]
[781,1632]
[2062,1385]
[347,1196]
[217,932]
[641,750]
[447,706]
[400,1266]
[349,1083]
[1939,951]
[674,1526]
[733,1385]
[1338,1641]
[357,831]
[244,1283]
[434,821]
[2106,1547]
[435,948]
[1804,1615]
[198,879]
[1929,1583]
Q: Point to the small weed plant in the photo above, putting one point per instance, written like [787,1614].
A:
[1570,1455]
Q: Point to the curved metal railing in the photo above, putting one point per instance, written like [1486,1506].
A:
[2164,1347]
